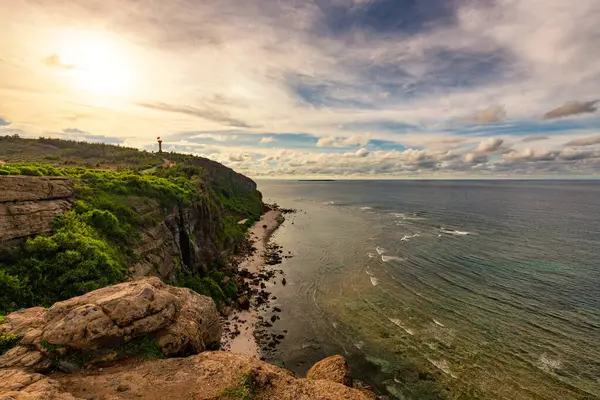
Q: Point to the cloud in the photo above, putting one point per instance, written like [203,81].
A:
[534,138]
[4,122]
[362,152]
[75,131]
[489,145]
[55,61]
[268,139]
[330,141]
[588,141]
[236,157]
[495,113]
[572,108]
[214,115]
[474,158]
[224,137]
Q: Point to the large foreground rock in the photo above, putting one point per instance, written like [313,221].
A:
[181,322]
[210,375]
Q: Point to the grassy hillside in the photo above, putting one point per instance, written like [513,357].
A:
[93,244]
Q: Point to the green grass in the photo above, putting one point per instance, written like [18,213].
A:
[246,389]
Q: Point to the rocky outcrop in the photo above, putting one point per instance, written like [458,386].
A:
[179,320]
[210,375]
[22,385]
[28,204]
[334,368]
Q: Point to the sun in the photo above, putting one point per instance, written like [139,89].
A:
[98,64]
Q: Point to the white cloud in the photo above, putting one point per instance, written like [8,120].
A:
[493,113]
[489,145]
[587,141]
[330,141]
[362,152]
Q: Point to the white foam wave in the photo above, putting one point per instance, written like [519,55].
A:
[372,255]
[398,215]
[549,364]
[368,273]
[390,258]
[453,232]
[442,365]
[407,237]
[380,250]
[366,208]
[438,323]
[374,281]
[399,323]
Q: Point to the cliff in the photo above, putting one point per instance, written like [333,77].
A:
[87,228]
[29,204]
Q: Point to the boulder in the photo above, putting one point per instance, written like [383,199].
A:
[334,368]
[180,320]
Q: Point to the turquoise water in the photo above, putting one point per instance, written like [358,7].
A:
[445,289]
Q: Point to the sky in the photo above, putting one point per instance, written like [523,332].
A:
[355,89]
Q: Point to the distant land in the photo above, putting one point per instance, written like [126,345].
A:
[316,180]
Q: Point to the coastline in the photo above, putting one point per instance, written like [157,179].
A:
[244,321]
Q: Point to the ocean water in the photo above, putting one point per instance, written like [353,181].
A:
[444,289]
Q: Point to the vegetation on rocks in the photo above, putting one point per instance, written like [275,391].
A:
[245,390]
[8,341]
[93,245]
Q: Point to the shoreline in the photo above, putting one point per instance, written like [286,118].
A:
[244,321]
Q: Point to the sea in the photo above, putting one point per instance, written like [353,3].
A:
[443,289]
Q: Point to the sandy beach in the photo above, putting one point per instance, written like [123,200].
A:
[245,343]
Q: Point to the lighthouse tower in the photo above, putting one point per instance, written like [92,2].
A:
[159,145]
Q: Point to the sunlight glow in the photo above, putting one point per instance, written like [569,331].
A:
[97,64]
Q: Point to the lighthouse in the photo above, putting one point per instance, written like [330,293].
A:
[159,145]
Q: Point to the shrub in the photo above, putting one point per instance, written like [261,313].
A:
[8,341]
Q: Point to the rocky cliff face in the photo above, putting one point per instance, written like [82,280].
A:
[28,204]
[183,240]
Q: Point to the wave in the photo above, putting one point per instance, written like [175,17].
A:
[366,208]
[380,250]
[390,258]
[406,238]
[442,365]
[374,281]
[372,255]
[438,323]
[549,364]
[453,232]
[399,324]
